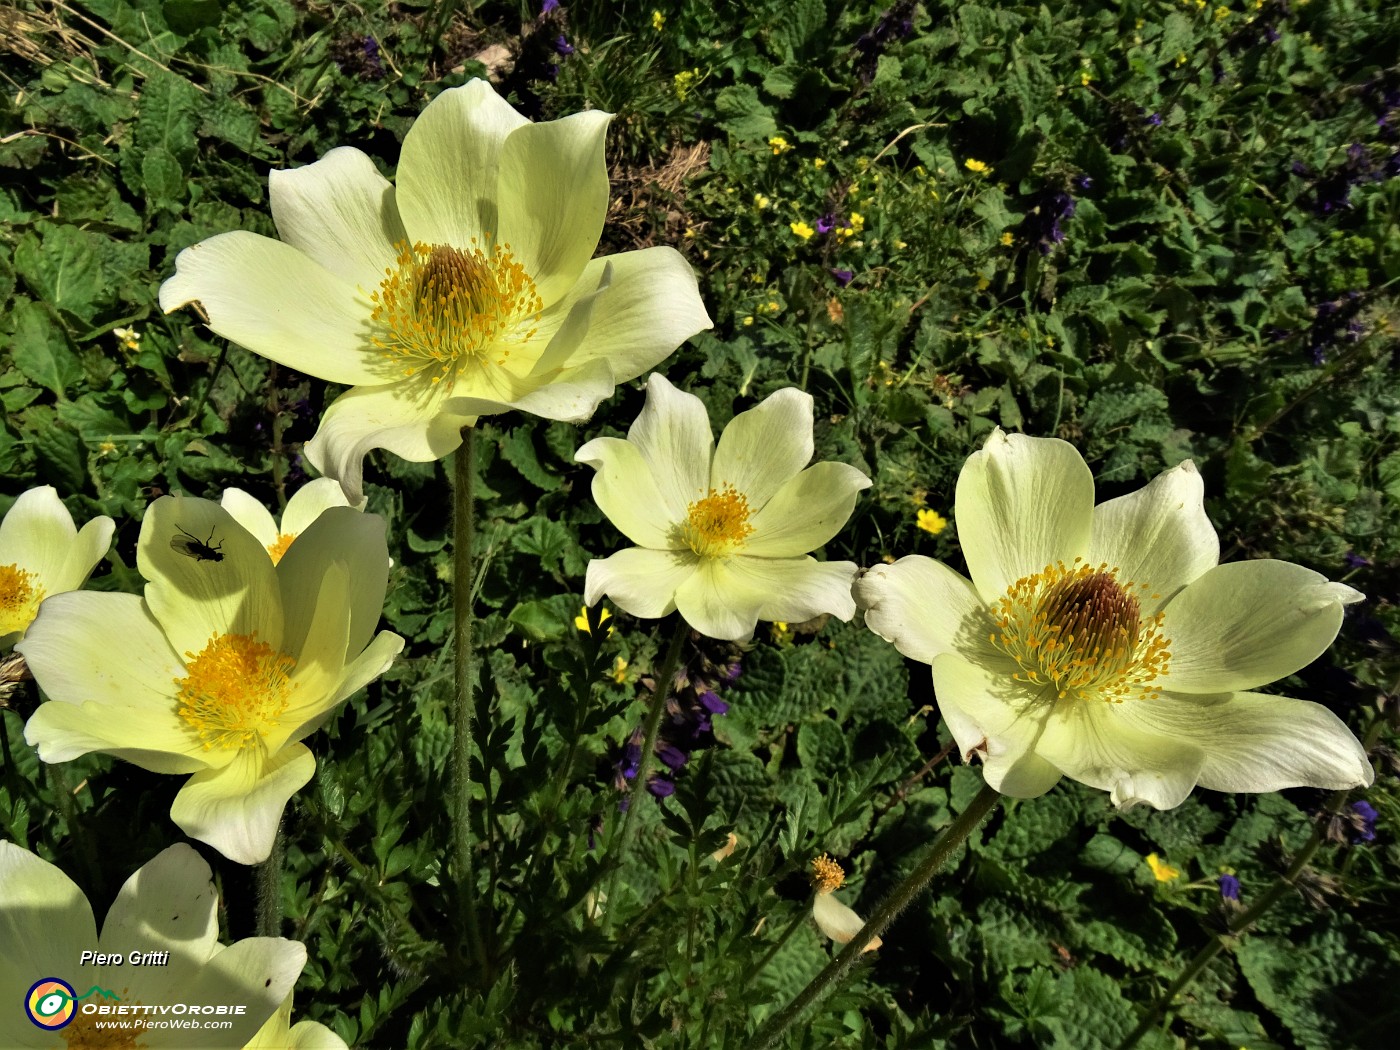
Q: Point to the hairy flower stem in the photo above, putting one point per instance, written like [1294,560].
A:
[464,678]
[1247,918]
[953,836]
[665,682]
[267,878]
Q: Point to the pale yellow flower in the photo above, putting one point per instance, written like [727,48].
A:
[169,908]
[224,666]
[722,528]
[832,917]
[465,288]
[975,165]
[1104,643]
[43,554]
[778,144]
[306,505]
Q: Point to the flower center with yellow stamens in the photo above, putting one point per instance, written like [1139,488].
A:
[116,1033]
[826,874]
[1080,633]
[235,691]
[279,546]
[717,524]
[20,595]
[442,308]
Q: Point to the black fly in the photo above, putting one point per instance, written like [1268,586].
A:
[191,547]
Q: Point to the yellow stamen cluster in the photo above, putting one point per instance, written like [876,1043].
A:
[235,690]
[1077,632]
[717,524]
[442,308]
[20,596]
[84,1034]
[826,874]
[278,547]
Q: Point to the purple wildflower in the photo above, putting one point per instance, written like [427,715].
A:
[711,702]
[1355,561]
[894,24]
[1229,888]
[843,278]
[826,223]
[672,756]
[1363,821]
[562,47]
[660,786]
[548,6]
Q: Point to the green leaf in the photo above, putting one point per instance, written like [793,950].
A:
[61,267]
[163,176]
[744,115]
[40,350]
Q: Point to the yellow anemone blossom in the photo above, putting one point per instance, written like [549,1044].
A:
[722,531]
[42,553]
[465,288]
[167,913]
[832,917]
[224,666]
[1104,643]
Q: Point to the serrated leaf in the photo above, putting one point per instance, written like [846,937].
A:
[39,349]
[743,114]
[518,449]
[62,267]
[163,177]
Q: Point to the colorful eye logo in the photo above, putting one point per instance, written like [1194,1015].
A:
[49,1003]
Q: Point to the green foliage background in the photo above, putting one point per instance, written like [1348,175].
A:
[1199,305]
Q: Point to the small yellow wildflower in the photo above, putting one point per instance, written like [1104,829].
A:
[983,284]
[1161,870]
[683,81]
[973,164]
[818,162]
[106,448]
[932,522]
[779,631]
[1221,13]
[801,229]
[1085,78]
[581,620]
[773,306]
[899,246]
[1007,239]
[779,144]
[748,320]
[857,221]
[619,670]
[658,21]
[130,338]
[760,201]
[1181,58]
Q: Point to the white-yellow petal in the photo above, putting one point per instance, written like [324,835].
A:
[673,434]
[251,514]
[552,197]
[923,608]
[449,167]
[119,699]
[353,542]
[631,310]
[1158,535]
[1257,742]
[280,1034]
[765,447]
[340,212]
[309,502]
[640,581]
[236,809]
[627,492]
[807,511]
[207,575]
[1245,624]
[994,719]
[257,972]
[271,299]
[1022,503]
[1093,742]
[390,417]
[839,922]
[45,924]
[789,590]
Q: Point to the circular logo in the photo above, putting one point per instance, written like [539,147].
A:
[49,1003]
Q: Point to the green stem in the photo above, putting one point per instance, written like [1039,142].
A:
[1247,918]
[464,677]
[953,836]
[665,681]
[267,877]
